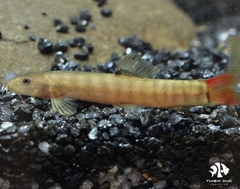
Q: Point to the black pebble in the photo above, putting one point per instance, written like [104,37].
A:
[61,62]
[237,141]
[24,111]
[61,46]
[56,149]
[61,139]
[77,42]
[195,73]
[176,121]
[227,121]
[187,65]
[74,20]
[69,150]
[106,11]
[135,43]
[155,130]
[45,46]
[72,43]
[84,14]
[57,22]
[184,75]
[61,58]
[184,56]
[207,65]
[114,131]
[133,131]
[175,71]
[104,150]
[87,68]
[105,136]
[32,38]
[0,35]
[107,67]
[44,13]
[101,2]
[80,28]
[82,55]
[89,46]
[62,28]
[26,27]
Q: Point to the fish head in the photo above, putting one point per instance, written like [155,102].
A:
[29,84]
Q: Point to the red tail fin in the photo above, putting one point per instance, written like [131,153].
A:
[223,89]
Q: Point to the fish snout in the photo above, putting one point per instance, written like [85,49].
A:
[4,89]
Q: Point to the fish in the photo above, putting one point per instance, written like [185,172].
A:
[133,83]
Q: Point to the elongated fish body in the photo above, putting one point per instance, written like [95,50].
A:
[121,89]
[132,84]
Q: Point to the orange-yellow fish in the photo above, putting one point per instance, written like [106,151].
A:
[132,84]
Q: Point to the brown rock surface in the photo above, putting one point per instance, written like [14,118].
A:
[159,22]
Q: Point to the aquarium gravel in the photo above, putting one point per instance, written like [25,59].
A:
[106,147]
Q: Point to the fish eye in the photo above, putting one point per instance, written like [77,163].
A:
[26,80]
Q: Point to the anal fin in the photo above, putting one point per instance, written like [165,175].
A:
[130,107]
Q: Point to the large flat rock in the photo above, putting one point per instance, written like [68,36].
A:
[160,23]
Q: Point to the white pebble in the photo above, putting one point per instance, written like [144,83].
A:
[35,185]
[114,169]
[44,147]
[160,184]
[87,184]
[4,184]
[6,125]
[56,186]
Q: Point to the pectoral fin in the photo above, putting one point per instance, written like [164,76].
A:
[64,105]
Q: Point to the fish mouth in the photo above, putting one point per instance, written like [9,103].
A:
[4,89]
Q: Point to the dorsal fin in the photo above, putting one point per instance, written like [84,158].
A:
[233,46]
[134,65]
